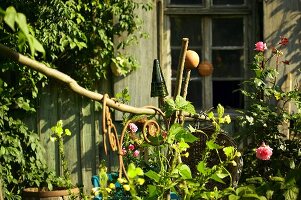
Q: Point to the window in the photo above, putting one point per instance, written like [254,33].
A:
[218,30]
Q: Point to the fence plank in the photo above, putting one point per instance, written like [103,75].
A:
[47,117]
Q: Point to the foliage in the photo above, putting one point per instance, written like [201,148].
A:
[21,154]
[84,39]
[268,120]
[78,34]
[160,168]
[58,134]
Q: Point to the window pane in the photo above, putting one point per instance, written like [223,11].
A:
[227,63]
[185,2]
[224,92]
[186,27]
[227,32]
[194,92]
[228,2]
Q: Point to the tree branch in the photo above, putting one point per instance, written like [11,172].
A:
[74,86]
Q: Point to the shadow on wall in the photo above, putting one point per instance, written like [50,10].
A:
[288,15]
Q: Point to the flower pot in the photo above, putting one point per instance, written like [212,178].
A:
[58,194]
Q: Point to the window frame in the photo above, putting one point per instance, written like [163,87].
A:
[208,11]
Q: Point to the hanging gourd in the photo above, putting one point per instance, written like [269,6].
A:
[205,68]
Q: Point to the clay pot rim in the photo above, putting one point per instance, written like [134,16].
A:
[37,192]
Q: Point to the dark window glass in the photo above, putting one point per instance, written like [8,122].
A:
[226,93]
[194,93]
[186,27]
[185,2]
[228,2]
[175,54]
[227,63]
[227,32]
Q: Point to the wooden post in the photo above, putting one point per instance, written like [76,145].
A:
[1,191]
[287,86]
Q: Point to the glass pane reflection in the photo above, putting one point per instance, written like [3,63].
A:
[227,32]
[194,93]
[226,93]
[189,26]
[227,63]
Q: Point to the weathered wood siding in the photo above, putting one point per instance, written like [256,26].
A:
[83,149]
[283,18]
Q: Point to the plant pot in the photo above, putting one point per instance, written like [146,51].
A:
[58,194]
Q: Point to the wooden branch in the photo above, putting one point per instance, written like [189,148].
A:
[181,67]
[53,73]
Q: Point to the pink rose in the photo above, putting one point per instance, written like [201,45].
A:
[133,127]
[131,147]
[264,152]
[260,46]
[136,153]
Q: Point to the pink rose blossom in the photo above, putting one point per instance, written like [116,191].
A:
[260,46]
[133,127]
[264,152]
[131,147]
[136,153]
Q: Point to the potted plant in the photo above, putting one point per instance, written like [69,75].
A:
[58,187]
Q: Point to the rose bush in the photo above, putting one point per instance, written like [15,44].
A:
[270,173]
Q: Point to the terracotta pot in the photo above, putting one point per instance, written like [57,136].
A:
[59,194]
[205,68]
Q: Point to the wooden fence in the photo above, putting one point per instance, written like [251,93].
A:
[84,148]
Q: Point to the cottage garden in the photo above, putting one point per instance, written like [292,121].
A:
[153,149]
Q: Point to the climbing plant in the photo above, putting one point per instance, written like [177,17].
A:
[82,38]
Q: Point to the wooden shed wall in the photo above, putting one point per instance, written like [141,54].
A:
[84,149]
[283,18]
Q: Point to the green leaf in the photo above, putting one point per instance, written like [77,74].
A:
[38,46]
[174,130]
[67,132]
[217,178]
[233,197]
[132,171]
[185,171]
[187,136]
[152,191]
[229,151]
[291,193]
[153,175]
[184,105]
[21,21]
[10,17]
[220,111]
[201,167]
[212,145]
